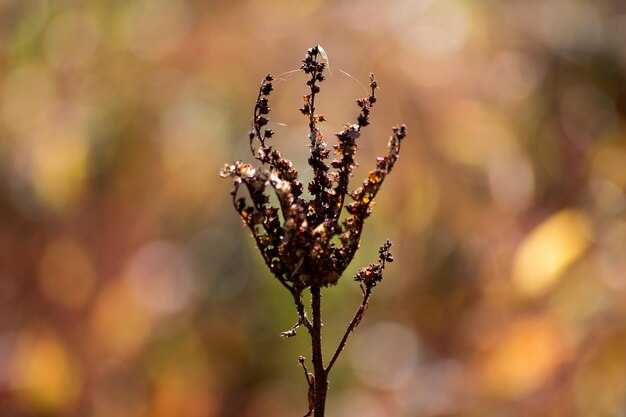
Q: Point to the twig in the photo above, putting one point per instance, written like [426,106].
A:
[367,292]
[302,317]
[310,380]
[291,332]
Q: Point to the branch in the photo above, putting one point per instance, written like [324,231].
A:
[302,317]
[310,380]
[347,148]
[360,209]
[369,277]
[249,222]
[367,292]
[260,119]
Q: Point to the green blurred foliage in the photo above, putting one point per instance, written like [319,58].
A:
[128,287]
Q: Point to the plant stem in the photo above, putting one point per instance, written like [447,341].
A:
[356,320]
[321,382]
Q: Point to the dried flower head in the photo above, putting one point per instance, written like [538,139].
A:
[299,248]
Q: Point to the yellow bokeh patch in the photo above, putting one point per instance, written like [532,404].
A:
[525,357]
[43,372]
[60,170]
[548,250]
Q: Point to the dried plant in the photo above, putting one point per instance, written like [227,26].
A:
[305,243]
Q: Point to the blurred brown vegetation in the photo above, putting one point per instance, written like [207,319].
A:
[128,287]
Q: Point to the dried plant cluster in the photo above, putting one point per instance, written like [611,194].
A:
[305,242]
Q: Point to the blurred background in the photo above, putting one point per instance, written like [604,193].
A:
[129,288]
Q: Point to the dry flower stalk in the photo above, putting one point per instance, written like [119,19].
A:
[296,239]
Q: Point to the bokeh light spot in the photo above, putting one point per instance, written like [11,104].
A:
[43,372]
[119,323]
[384,355]
[524,358]
[548,250]
[59,168]
[160,277]
[511,181]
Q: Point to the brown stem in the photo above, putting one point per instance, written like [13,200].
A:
[297,296]
[351,327]
[321,382]
[310,381]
